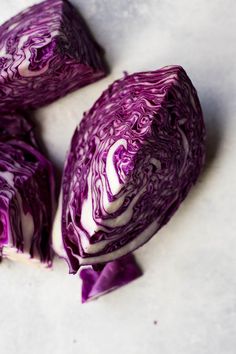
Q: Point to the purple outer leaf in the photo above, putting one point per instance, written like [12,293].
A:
[46,52]
[26,202]
[114,275]
[132,161]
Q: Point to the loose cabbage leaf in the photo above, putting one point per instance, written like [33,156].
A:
[46,51]
[132,161]
[26,202]
[113,275]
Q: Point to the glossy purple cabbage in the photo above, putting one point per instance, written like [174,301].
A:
[114,275]
[46,51]
[26,203]
[14,126]
[132,161]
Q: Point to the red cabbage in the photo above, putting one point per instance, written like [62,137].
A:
[114,275]
[26,202]
[46,51]
[132,161]
[15,126]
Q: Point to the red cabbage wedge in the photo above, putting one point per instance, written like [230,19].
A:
[26,195]
[46,51]
[132,161]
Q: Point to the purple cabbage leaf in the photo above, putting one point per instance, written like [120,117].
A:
[113,275]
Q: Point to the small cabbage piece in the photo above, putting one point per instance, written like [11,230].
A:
[132,161]
[46,51]
[14,126]
[114,275]
[26,203]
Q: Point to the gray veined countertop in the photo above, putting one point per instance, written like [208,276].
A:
[186,301]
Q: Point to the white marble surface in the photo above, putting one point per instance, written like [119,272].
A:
[189,286]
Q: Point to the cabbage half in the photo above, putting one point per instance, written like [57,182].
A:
[46,51]
[132,161]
